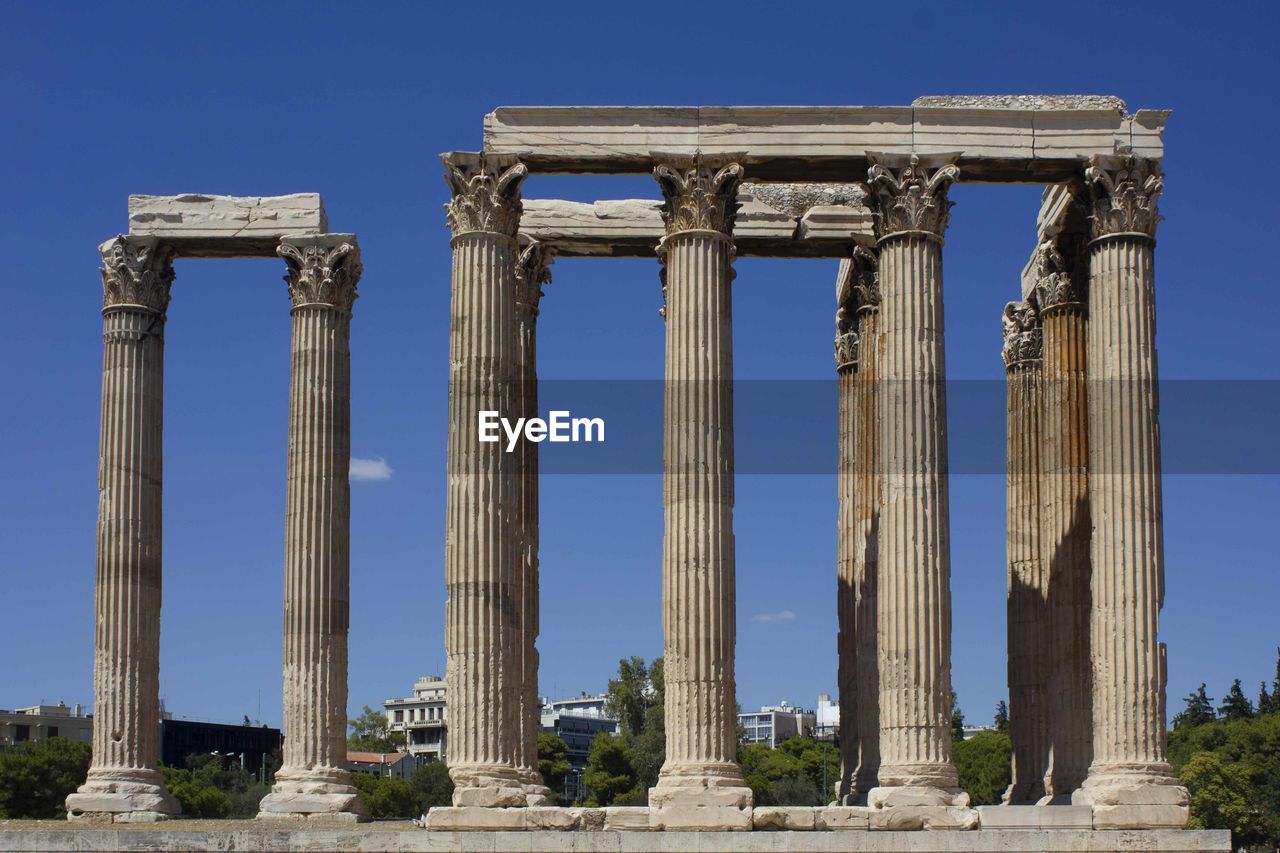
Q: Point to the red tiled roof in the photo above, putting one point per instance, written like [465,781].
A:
[376,757]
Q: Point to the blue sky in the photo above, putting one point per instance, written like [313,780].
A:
[275,98]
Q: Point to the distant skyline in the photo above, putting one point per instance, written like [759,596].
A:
[356,104]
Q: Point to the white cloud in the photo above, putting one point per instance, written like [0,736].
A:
[780,616]
[370,469]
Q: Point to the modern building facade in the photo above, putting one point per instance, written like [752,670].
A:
[41,722]
[246,744]
[826,715]
[577,722]
[773,724]
[423,718]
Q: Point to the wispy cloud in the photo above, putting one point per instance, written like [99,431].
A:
[375,468]
[780,616]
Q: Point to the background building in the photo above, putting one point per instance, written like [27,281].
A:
[576,722]
[826,718]
[771,725]
[40,722]
[398,764]
[423,718]
[248,744]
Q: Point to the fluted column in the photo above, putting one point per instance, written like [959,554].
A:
[1065,523]
[532,272]
[857,358]
[124,783]
[1028,631]
[1130,782]
[323,272]
[700,785]
[914,595]
[483,630]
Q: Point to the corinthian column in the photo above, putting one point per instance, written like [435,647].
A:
[123,783]
[532,272]
[701,785]
[483,557]
[1130,782]
[323,272]
[857,360]
[913,592]
[1064,522]
[1027,633]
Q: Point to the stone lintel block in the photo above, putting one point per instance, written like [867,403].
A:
[1035,817]
[784,817]
[626,817]
[199,225]
[844,817]
[1141,817]
[476,817]
[551,817]
[924,817]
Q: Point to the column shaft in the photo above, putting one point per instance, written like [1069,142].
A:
[124,782]
[1130,766]
[867,498]
[483,630]
[850,699]
[323,272]
[1028,631]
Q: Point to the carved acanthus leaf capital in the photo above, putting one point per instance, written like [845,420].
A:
[533,270]
[322,270]
[700,194]
[136,271]
[1022,333]
[911,198]
[486,193]
[846,350]
[1124,195]
[866,279]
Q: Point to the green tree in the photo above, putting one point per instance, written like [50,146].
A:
[1001,721]
[609,773]
[1266,703]
[431,787]
[1221,798]
[35,778]
[216,786]
[629,695]
[552,763]
[649,748]
[957,719]
[983,764]
[370,732]
[1235,705]
[1198,710]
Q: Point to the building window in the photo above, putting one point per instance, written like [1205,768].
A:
[399,716]
[53,731]
[21,733]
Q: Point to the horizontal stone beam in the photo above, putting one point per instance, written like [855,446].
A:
[1004,139]
[222,226]
[1056,217]
[633,227]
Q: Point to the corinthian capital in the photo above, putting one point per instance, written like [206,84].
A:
[533,270]
[136,271]
[1124,195]
[846,350]
[700,193]
[911,197]
[486,193]
[1056,285]
[1022,338]
[323,270]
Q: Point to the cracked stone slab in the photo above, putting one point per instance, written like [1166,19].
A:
[200,225]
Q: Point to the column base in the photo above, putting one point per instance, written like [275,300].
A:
[702,797]
[1139,796]
[920,807]
[122,796]
[488,786]
[325,793]
[535,793]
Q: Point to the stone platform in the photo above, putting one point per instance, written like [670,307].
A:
[40,836]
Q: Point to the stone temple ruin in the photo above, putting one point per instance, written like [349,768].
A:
[865,185]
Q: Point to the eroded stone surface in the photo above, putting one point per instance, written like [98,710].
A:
[1024,102]
[476,817]
[1035,817]
[843,817]
[783,817]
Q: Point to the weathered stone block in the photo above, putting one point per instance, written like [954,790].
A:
[199,225]
[1035,817]
[783,817]
[1140,817]
[550,817]
[489,797]
[924,817]
[843,817]
[474,817]
[626,817]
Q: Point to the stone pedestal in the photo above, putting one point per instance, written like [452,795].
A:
[483,557]
[1028,630]
[532,272]
[913,586]
[700,785]
[1064,523]
[1130,782]
[123,784]
[323,272]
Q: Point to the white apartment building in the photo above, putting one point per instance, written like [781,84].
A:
[423,719]
[773,724]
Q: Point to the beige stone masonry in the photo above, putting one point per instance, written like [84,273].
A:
[199,225]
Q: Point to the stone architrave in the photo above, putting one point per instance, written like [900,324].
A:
[700,785]
[1028,630]
[323,272]
[124,783]
[916,773]
[1065,523]
[483,630]
[1130,783]
[532,272]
